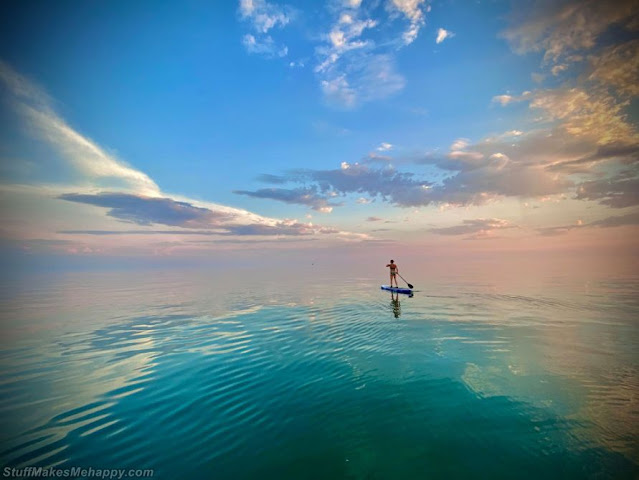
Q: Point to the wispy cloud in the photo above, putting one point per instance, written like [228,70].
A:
[356,53]
[400,188]
[147,211]
[476,227]
[87,156]
[299,196]
[580,135]
[616,66]
[562,28]
[586,113]
[384,147]
[414,11]
[616,192]
[506,99]
[443,34]
[264,46]
[263,17]
[151,210]
[630,219]
[352,72]
[123,193]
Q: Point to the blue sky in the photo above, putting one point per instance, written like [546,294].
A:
[185,126]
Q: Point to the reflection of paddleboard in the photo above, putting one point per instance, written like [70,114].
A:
[396,289]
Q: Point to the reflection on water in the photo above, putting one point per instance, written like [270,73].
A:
[313,379]
[395,305]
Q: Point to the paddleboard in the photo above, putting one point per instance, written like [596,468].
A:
[396,289]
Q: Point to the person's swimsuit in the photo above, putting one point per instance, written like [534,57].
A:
[393,271]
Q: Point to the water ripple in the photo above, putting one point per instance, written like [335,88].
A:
[337,381]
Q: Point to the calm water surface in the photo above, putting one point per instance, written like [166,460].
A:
[200,377]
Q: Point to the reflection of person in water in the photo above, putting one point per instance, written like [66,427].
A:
[397,310]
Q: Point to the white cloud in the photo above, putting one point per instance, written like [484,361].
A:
[460,144]
[262,18]
[506,99]
[513,133]
[364,77]
[263,15]
[264,46]
[86,155]
[503,99]
[443,34]
[384,147]
[109,183]
[413,10]
[339,91]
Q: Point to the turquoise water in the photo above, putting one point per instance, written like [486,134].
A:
[321,378]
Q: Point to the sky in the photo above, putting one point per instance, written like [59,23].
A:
[262,128]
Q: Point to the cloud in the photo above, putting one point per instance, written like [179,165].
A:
[355,56]
[291,228]
[147,211]
[384,147]
[616,152]
[138,232]
[88,157]
[618,221]
[352,68]
[561,28]
[443,34]
[264,46]
[151,210]
[366,77]
[399,188]
[476,227]
[557,69]
[273,179]
[413,10]
[299,196]
[617,66]
[338,91]
[596,115]
[585,133]
[263,17]
[507,99]
[473,174]
[503,99]
[616,192]
[127,194]
[630,219]
[374,219]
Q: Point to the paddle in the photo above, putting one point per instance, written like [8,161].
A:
[409,285]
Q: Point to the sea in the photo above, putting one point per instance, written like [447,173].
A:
[201,373]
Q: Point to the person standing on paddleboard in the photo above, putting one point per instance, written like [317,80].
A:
[393,273]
